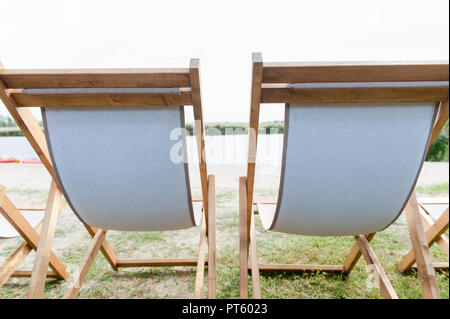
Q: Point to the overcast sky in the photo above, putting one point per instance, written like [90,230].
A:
[124,34]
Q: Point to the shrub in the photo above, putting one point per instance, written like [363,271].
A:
[438,152]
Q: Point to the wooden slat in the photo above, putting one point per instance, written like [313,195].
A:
[2,194]
[243,239]
[442,118]
[201,260]
[212,271]
[256,282]
[381,279]
[27,273]
[157,262]
[436,265]
[30,129]
[19,255]
[257,74]
[111,99]
[44,249]
[30,235]
[106,247]
[299,268]
[435,232]
[442,241]
[354,255]
[81,273]
[302,72]
[16,258]
[381,95]
[426,271]
[199,126]
[96,78]
[432,235]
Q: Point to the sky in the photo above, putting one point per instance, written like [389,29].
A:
[142,34]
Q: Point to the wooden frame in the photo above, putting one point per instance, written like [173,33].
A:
[187,80]
[434,233]
[32,238]
[271,83]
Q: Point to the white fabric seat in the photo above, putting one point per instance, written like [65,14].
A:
[348,169]
[123,168]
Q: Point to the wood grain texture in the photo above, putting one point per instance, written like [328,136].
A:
[257,74]
[426,271]
[373,95]
[433,234]
[156,262]
[256,281]
[381,279]
[44,249]
[427,222]
[243,239]
[28,273]
[106,248]
[2,194]
[443,265]
[101,100]
[305,72]
[81,273]
[299,268]
[212,269]
[14,261]
[354,255]
[96,78]
[441,119]
[199,126]
[198,289]
[18,256]
[30,235]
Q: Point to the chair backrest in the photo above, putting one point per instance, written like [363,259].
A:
[117,143]
[355,140]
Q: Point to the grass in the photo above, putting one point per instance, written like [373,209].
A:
[436,189]
[72,240]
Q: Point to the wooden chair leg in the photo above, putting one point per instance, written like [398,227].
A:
[354,255]
[106,248]
[256,281]
[212,271]
[81,274]
[31,236]
[243,239]
[44,249]
[427,222]
[432,235]
[198,289]
[13,262]
[387,291]
[419,242]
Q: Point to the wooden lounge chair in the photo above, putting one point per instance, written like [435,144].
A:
[435,220]
[93,119]
[26,223]
[354,142]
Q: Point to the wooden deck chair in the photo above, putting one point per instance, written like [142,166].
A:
[354,142]
[27,223]
[95,120]
[435,220]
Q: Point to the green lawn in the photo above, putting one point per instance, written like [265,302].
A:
[71,242]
